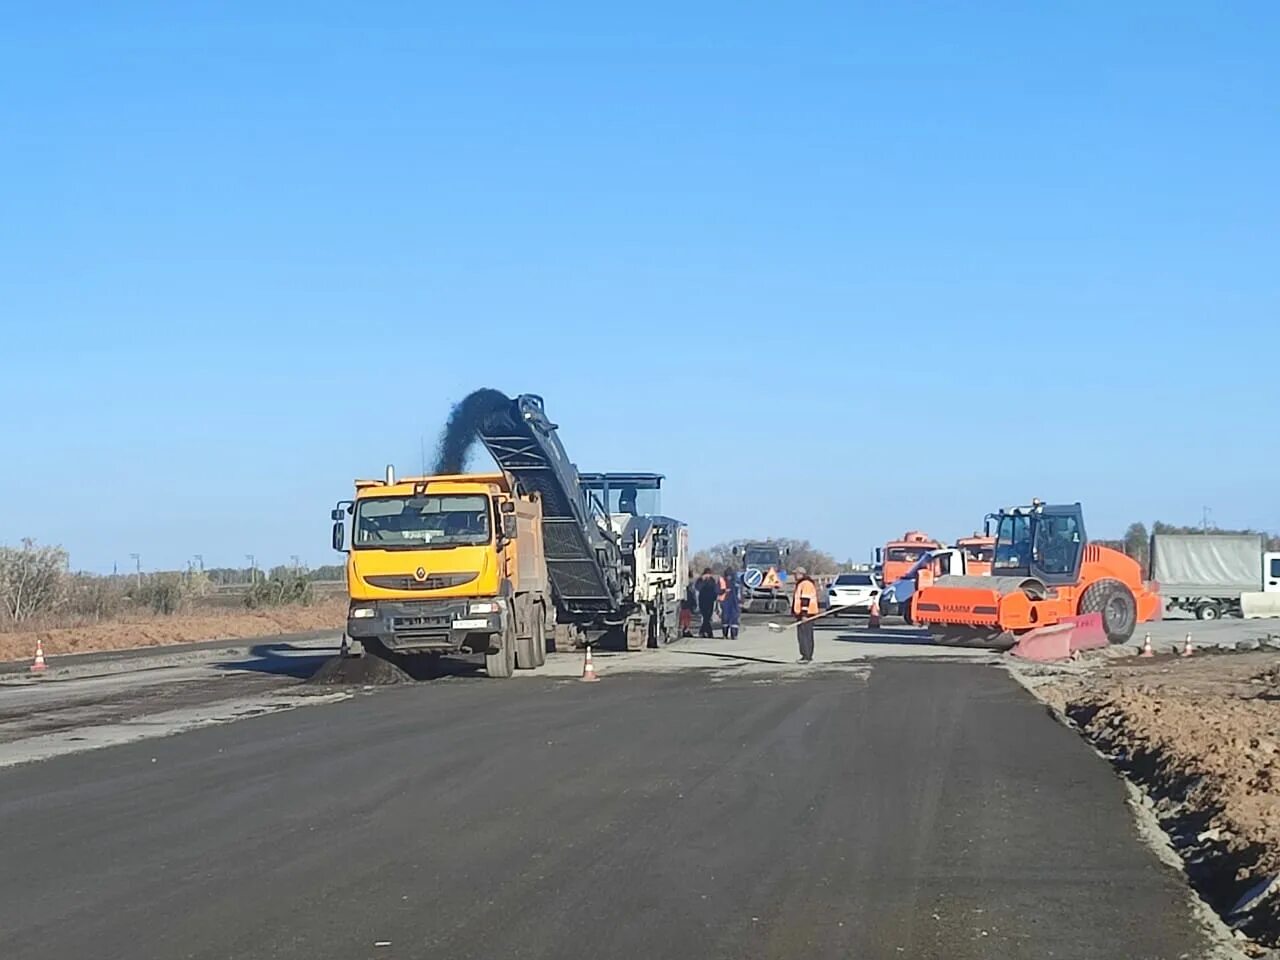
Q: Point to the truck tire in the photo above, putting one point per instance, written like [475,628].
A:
[502,664]
[1115,602]
[539,636]
[526,657]
[1208,611]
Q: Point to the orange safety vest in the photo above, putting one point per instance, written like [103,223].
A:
[804,602]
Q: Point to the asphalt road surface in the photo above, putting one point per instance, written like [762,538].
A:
[893,809]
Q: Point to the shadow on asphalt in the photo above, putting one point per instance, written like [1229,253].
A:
[281,659]
[729,656]
[915,639]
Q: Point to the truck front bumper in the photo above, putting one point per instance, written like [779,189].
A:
[425,626]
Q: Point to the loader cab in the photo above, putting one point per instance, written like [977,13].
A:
[1041,541]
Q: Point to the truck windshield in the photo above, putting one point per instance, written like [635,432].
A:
[414,523]
[759,557]
[906,554]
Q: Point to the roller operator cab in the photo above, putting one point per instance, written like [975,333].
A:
[446,565]
[1043,569]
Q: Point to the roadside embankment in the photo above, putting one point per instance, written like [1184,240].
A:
[1200,737]
[160,630]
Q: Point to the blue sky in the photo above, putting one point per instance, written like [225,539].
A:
[837,270]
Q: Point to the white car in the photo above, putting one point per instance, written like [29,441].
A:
[856,592]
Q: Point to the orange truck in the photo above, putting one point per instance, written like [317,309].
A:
[979,550]
[1044,573]
[896,558]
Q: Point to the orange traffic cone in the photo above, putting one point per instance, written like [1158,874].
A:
[1146,647]
[588,669]
[39,666]
[873,620]
[1187,649]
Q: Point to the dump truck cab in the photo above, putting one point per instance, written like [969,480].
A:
[979,552]
[895,558]
[444,565]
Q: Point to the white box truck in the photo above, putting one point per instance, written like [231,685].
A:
[1207,573]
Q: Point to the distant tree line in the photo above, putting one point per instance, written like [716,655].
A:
[235,576]
[1137,540]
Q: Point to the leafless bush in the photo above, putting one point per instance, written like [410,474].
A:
[97,598]
[33,580]
[168,593]
[282,587]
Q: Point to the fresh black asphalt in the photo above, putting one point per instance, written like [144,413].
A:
[921,810]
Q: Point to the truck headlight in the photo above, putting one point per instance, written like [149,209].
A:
[361,613]
[484,606]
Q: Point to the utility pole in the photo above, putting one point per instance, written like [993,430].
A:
[253,568]
[137,566]
[297,562]
[1204,518]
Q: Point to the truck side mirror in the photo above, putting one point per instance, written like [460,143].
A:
[509,527]
[335,514]
[735,551]
[338,530]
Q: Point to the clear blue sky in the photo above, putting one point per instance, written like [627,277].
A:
[836,270]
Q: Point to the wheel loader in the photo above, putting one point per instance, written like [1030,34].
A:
[1045,574]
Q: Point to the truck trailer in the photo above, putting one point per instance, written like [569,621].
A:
[1207,573]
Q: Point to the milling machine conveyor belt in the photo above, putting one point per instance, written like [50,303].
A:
[581,560]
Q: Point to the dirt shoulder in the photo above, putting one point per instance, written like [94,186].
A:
[1201,738]
[156,631]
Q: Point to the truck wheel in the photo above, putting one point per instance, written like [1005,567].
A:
[502,664]
[539,637]
[905,610]
[1208,611]
[1115,602]
[526,659]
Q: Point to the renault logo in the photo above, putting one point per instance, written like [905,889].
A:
[419,574]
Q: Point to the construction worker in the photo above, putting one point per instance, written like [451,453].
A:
[730,605]
[687,607]
[708,590]
[804,604]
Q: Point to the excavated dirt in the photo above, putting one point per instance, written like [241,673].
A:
[1201,737]
[156,631]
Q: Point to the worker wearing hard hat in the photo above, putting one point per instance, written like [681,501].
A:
[804,604]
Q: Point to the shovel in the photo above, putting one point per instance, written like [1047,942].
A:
[779,628]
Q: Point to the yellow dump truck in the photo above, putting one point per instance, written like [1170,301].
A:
[447,565]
